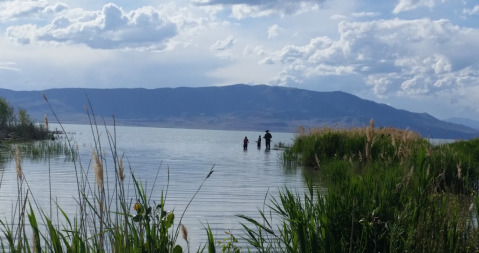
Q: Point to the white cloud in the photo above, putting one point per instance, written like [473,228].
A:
[57,8]
[420,57]
[337,16]
[15,9]
[473,11]
[255,50]
[261,8]
[365,14]
[8,66]
[224,44]
[146,28]
[273,31]
[408,5]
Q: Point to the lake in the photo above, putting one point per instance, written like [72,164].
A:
[239,184]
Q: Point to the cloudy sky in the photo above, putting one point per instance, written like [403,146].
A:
[418,55]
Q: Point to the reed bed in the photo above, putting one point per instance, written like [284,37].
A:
[41,150]
[389,191]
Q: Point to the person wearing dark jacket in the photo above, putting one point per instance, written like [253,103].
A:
[259,142]
[268,137]
[245,143]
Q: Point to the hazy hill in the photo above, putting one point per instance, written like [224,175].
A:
[464,121]
[239,107]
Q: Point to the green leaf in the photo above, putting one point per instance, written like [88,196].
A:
[170,217]
[177,249]
[137,218]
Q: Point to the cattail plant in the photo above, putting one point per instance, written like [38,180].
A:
[98,168]
[184,233]
[121,170]
[46,121]
[18,167]
[18,163]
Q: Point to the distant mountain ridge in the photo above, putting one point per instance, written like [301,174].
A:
[464,121]
[236,107]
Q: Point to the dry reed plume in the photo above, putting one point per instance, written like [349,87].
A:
[18,163]
[184,232]
[121,170]
[46,121]
[98,166]
[459,171]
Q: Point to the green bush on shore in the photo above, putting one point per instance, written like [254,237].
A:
[19,125]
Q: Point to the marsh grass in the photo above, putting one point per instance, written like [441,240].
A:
[40,150]
[369,213]
[389,191]
[280,146]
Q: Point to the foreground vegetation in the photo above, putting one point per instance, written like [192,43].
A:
[389,190]
[107,218]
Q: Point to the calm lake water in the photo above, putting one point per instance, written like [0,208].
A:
[238,185]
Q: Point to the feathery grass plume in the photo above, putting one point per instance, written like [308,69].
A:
[371,123]
[46,121]
[366,150]
[374,140]
[18,163]
[471,207]
[45,97]
[409,176]
[405,136]
[369,133]
[98,166]
[121,170]
[84,107]
[184,232]
[317,160]
[300,130]
[459,171]
[429,151]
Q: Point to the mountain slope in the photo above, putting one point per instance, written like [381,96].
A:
[230,107]
[464,121]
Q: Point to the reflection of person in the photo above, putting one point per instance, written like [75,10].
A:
[245,143]
[259,141]
[268,137]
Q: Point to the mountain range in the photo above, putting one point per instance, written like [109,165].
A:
[235,107]
[464,121]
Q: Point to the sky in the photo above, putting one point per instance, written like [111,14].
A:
[417,55]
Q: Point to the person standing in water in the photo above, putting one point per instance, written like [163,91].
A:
[268,137]
[259,141]
[245,143]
